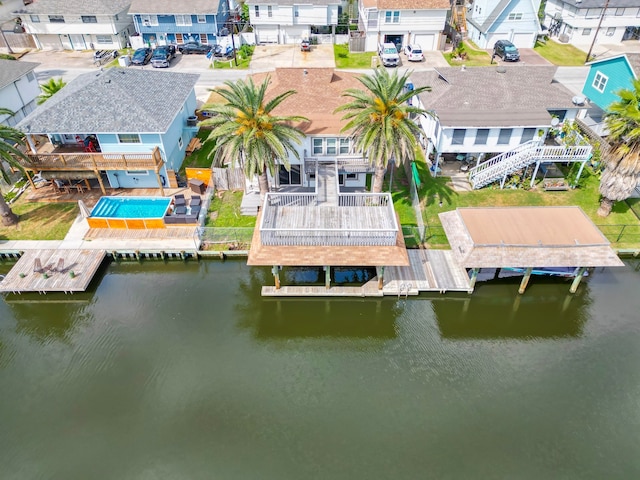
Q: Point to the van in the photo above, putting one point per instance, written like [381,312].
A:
[389,54]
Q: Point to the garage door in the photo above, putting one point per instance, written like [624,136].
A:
[49,42]
[491,41]
[523,40]
[295,34]
[426,41]
[267,35]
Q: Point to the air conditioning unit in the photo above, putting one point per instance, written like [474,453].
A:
[146,23]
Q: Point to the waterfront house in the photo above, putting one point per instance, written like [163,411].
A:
[77,24]
[125,128]
[503,113]
[403,22]
[515,20]
[18,89]
[290,21]
[579,22]
[606,76]
[179,21]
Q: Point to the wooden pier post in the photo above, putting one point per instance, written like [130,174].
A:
[472,280]
[327,277]
[576,281]
[525,280]
[380,277]
[276,276]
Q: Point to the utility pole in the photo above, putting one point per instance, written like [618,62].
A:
[604,12]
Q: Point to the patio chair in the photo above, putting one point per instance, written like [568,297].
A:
[196,200]
[60,266]
[37,266]
[195,210]
[181,210]
[180,200]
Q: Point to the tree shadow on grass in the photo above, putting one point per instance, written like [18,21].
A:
[436,190]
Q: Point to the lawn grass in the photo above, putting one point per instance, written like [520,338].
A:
[346,59]
[219,64]
[40,221]
[227,206]
[560,53]
[476,57]
[200,158]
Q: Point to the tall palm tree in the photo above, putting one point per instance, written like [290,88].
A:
[621,173]
[50,88]
[379,120]
[9,137]
[246,131]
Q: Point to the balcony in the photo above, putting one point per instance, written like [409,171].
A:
[302,219]
[345,163]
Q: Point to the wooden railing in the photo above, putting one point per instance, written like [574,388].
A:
[93,161]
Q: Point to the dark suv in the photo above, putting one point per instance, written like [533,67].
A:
[506,50]
[162,56]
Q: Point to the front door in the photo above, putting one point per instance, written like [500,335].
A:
[77,42]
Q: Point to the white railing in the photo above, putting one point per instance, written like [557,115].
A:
[346,163]
[523,156]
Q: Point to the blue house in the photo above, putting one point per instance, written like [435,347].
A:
[163,22]
[121,128]
[515,20]
[608,75]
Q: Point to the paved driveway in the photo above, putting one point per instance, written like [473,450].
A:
[269,57]
[528,56]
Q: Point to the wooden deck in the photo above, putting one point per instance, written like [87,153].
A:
[429,271]
[154,233]
[370,289]
[62,271]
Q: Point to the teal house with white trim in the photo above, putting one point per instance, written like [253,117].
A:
[608,75]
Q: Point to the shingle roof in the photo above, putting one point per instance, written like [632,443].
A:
[319,93]
[294,2]
[113,101]
[76,7]
[484,97]
[526,237]
[600,3]
[171,7]
[12,70]
[413,4]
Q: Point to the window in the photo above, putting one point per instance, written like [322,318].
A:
[296,11]
[104,39]
[331,146]
[89,19]
[586,31]
[183,20]
[593,13]
[202,19]
[269,11]
[149,20]
[527,134]
[345,146]
[35,18]
[257,10]
[619,12]
[180,143]
[392,16]
[203,38]
[515,16]
[318,147]
[129,138]
[505,136]
[137,172]
[481,136]
[600,81]
[610,31]
[56,18]
[292,177]
[30,77]
[352,176]
[458,136]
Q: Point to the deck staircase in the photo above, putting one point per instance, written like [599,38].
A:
[327,184]
[499,167]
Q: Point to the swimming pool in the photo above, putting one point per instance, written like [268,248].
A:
[129,212]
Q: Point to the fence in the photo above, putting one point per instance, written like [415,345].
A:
[228,178]
[621,234]
[415,203]
[17,41]
[225,238]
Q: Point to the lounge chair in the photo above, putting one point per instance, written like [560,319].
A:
[181,210]
[60,267]
[37,266]
[180,200]
[195,209]
[196,200]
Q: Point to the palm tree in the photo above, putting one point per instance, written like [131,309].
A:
[246,131]
[50,88]
[9,139]
[621,157]
[380,122]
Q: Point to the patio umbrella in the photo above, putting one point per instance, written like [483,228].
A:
[84,210]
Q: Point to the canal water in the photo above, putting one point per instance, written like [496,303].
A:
[183,371]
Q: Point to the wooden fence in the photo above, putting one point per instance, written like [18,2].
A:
[228,178]
[17,41]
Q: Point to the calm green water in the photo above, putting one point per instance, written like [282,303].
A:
[182,371]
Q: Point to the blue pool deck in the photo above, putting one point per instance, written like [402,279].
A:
[131,207]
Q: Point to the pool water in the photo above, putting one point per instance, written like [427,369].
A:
[131,207]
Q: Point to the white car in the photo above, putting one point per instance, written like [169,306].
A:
[414,53]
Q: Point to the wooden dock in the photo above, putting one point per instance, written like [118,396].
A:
[430,271]
[53,270]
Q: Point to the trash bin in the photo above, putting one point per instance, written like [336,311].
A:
[124,61]
[197,186]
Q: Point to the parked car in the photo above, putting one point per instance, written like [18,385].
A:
[305,45]
[388,54]
[193,47]
[506,50]
[414,53]
[141,56]
[163,55]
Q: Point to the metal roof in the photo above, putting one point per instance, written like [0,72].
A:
[114,101]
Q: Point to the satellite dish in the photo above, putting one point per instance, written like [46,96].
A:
[578,100]
[555,121]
